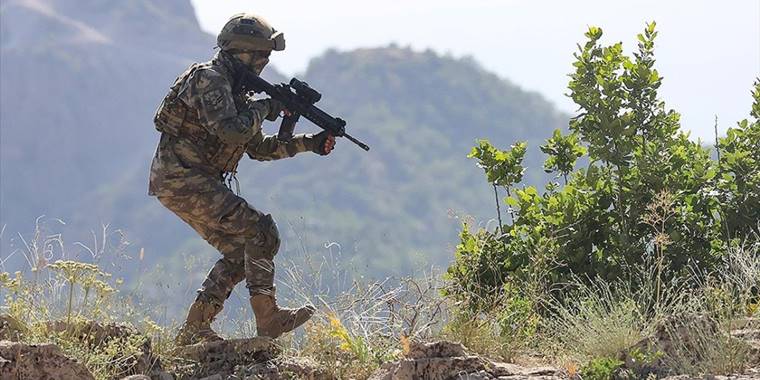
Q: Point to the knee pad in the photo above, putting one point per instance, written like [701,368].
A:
[269,236]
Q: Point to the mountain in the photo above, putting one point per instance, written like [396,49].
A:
[80,82]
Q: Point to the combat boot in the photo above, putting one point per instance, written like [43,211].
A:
[197,327]
[272,320]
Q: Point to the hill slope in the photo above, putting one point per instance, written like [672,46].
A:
[390,209]
[77,137]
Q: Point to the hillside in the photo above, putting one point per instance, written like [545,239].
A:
[390,209]
[77,138]
[79,83]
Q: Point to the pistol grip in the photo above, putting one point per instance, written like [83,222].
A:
[287,126]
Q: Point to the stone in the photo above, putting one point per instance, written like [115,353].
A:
[437,368]
[261,371]
[38,361]
[231,349]
[285,368]
[226,357]
[440,349]
[514,370]
[303,368]
[506,369]
[450,361]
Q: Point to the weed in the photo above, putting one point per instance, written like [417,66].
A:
[600,369]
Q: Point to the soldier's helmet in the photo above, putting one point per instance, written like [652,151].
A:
[246,32]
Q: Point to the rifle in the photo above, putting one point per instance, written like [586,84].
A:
[298,98]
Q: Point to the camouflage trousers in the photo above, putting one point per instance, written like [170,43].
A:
[247,239]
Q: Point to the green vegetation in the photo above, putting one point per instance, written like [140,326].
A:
[58,305]
[601,369]
[647,193]
[640,263]
[651,239]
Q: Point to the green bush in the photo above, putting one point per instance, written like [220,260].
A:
[646,193]
[600,369]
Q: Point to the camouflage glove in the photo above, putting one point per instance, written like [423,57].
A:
[274,107]
[322,143]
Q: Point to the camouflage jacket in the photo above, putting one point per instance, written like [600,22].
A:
[206,129]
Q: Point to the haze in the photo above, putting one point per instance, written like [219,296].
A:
[708,51]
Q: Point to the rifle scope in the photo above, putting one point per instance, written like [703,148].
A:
[304,91]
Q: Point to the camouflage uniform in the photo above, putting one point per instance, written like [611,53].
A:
[205,130]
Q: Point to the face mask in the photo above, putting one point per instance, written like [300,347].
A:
[256,60]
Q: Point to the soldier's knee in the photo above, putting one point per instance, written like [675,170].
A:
[236,271]
[221,279]
[267,237]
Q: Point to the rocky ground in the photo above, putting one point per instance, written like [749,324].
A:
[260,358]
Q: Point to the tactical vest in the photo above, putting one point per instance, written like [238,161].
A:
[175,118]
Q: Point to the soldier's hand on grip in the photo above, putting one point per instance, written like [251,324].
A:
[274,106]
[324,143]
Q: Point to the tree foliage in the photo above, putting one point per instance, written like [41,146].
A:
[647,192]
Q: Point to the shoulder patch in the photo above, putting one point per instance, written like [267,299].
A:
[205,77]
[214,99]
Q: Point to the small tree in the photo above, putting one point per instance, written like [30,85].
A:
[599,222]
[503,168]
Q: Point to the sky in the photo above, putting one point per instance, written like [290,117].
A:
[707,51]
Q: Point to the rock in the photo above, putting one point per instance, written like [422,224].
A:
[231,350]
[260,371]
[226,357]
[96,334]
[137,377]
[440,349]
[437,368]
[509,370]
[286,368]
[480,375]
[449,361]
[10,328]
[38,361]
[302,368]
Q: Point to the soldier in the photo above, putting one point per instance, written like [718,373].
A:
[205,129]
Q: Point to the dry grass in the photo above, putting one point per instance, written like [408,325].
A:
[361,324]
[364,324]
[694,315]
[54,288]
